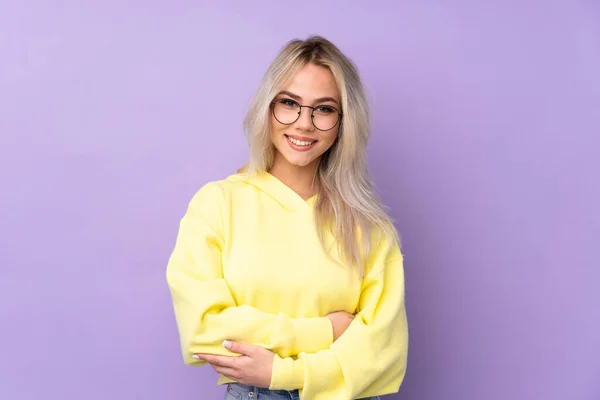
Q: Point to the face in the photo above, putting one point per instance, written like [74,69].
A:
[300,143]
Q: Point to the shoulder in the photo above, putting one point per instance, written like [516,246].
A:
[216,193]
[384,249]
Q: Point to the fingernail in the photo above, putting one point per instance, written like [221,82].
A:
[196,356]
[226,344]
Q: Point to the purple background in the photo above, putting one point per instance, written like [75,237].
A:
[486,120]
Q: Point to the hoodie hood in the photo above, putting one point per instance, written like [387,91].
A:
[274,188]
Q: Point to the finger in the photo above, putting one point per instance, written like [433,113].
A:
[228,372]
[245,349]
[223,361]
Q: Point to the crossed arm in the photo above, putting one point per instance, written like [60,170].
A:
[369,359]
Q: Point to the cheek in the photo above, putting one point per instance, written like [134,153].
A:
[276,127]
[328,139]
[273,130]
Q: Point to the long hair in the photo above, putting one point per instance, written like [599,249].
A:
[347,204]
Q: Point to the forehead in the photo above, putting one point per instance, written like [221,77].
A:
[313,82]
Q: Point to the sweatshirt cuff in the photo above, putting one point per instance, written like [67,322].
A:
[287,374]
[313,334]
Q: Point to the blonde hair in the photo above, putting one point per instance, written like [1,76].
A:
[346,203]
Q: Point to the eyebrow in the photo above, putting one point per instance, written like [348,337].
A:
[319,100]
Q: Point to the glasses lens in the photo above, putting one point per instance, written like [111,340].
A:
[325,117]
[286,111]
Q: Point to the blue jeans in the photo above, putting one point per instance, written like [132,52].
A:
[237,391]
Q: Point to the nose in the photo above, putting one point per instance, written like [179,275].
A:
[304,121]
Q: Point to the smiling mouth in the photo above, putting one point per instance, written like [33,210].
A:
[301,143]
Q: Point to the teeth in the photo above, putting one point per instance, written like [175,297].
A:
[300,142]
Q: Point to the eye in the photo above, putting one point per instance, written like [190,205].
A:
[288,103]
[325,109]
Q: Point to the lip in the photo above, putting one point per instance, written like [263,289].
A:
[303,138]
[300,148]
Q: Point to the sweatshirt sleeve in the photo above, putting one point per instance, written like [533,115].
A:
[205,310]
[369,358]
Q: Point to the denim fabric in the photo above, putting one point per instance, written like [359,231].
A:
[237,391]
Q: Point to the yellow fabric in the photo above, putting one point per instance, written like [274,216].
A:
[248,266]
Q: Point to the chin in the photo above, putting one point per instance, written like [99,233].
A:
[296,161]
[302,164]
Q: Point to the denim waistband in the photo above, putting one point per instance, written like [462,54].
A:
[293,394]
[256,389]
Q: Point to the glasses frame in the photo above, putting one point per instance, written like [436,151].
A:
[312,114]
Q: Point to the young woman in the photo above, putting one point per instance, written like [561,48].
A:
[287,276]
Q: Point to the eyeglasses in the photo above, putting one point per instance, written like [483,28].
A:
[287,111]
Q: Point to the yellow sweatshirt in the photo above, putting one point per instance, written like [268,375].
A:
[248,266]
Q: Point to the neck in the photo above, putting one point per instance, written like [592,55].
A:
[301,180]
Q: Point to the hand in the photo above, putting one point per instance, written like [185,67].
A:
[341,321]
[254,367]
